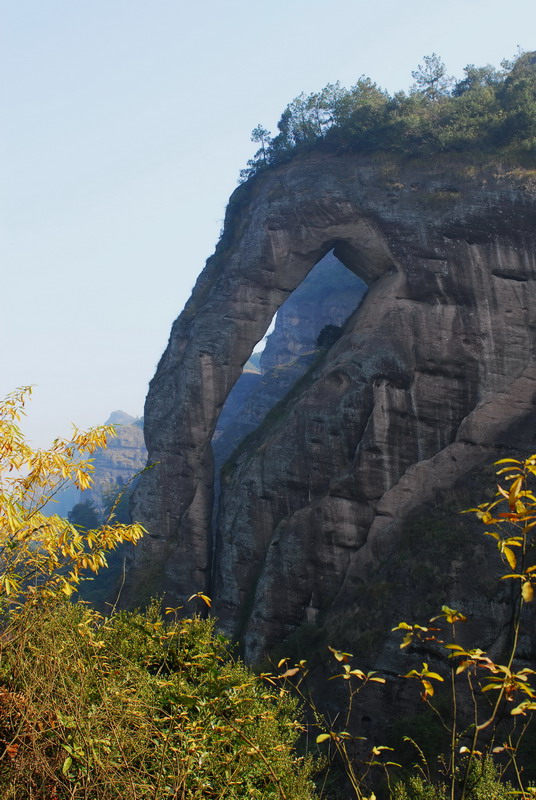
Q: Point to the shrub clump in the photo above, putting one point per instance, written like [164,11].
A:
[135,707]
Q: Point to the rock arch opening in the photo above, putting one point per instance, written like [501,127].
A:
[302,328]
[303,325]
[272,240]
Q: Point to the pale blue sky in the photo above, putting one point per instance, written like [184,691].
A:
[124,126]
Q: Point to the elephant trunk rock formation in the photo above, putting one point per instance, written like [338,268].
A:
[430,373]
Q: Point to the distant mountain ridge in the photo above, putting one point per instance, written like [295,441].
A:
[115,465]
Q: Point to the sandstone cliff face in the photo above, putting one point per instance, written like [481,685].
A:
[430,377]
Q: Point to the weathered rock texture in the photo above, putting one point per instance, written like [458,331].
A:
[431,374]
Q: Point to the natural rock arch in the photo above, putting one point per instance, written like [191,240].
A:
[443,343]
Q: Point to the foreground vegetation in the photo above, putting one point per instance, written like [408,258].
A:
[132,708]
[128,706]
[150,705]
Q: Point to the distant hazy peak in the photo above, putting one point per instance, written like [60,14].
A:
[120,418]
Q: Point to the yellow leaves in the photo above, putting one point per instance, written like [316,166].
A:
[514,519]
[527,587]
[289,673]
[47,549]
[89,441]
[339,655]
[470,658]
[509,682]
[464,749]
[415,632]
[527,591]
[348,672]
[515,491]
[82,480]
[201,596]
[371,676]
[425,676]
[10,584]
[340,736]
[9,509]
[508,553]
[450,615]
[523,707]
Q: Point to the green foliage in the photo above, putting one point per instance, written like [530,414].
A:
[418,788]
[488,110]
[431,78]
[102,589]
[328,335]
[485,778]
[132,707]
[125,708]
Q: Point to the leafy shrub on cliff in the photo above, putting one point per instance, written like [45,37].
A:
[328,336]
[488,110]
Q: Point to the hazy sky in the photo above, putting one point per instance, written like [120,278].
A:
[124,126]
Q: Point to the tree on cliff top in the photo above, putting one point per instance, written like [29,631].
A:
[431,78]
[488,110]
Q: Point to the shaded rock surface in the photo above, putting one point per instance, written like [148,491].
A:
[432,375]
